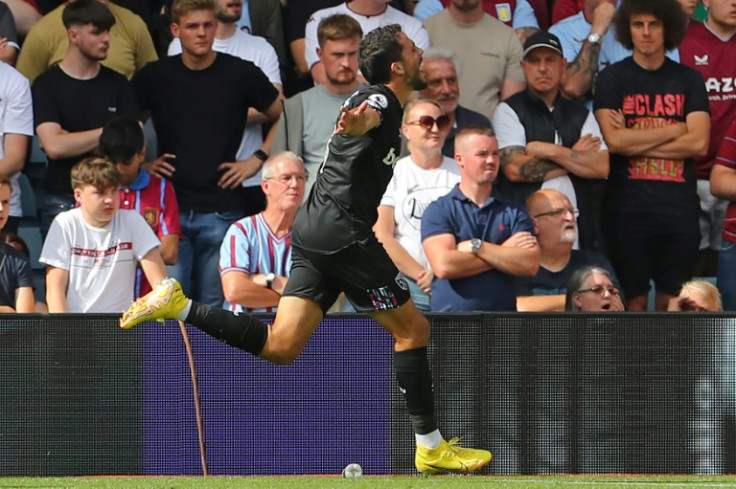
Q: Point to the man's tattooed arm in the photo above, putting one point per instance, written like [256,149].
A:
[581,73]
[531,170]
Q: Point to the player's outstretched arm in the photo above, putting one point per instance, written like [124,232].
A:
[357,121]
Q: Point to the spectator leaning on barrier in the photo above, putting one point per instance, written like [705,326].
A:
[255,256]
[91,252]
[16,280]
[591,289]
[653,113]
[418,180]
[123,143]
[476,240]
[555,224]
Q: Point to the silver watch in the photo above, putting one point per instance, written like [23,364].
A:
[270,277]
[594,38]
[475,245]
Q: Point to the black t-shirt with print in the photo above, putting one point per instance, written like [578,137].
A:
[650,99]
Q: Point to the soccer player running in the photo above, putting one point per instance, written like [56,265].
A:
[334,250]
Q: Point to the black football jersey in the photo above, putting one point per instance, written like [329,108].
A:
[343,204]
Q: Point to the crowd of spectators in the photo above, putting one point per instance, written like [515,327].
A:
[564,155]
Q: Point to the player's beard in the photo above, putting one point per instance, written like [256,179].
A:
[417,82]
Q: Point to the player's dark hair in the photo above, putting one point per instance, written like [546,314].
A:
[84,12]
[378,50]
[121,139]
[669,12]
[338,27]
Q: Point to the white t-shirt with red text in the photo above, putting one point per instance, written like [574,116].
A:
[101,261]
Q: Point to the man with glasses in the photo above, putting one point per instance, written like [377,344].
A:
[548,141]
[255,256]
[477,241]
[555,223]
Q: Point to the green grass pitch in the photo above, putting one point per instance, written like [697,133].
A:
[375,482]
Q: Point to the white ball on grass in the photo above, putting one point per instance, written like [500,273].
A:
[352,471]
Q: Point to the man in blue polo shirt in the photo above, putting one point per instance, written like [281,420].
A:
[477,241]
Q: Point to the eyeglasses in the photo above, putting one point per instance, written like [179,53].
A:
[427,122]
[559,212]
[286,179]
[600,290]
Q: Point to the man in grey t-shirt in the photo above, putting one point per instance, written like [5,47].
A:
[308,118]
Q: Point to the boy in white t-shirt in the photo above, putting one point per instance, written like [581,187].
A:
[91,252]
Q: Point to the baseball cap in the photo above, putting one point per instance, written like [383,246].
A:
[542,39]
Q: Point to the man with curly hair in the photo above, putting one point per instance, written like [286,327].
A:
[654,116]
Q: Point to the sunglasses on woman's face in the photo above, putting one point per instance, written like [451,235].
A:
[427,122]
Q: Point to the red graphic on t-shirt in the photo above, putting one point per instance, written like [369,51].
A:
[651,111]
[654,105]
[126,245]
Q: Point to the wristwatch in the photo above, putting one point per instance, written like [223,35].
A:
[261,155]
[594,38]
[475,245]
[270,277]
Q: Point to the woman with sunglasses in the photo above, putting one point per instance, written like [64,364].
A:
[419,178]
[591,289]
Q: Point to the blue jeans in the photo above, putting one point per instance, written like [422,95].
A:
[51,205]
[726,280]
[420,298]
[199,254]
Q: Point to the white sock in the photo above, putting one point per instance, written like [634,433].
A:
[430,440]
[182,316]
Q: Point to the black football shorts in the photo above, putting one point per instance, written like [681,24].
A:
[363,271]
